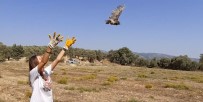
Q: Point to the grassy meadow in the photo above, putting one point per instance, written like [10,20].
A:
[112,83]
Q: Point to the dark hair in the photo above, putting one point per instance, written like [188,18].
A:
[33,62]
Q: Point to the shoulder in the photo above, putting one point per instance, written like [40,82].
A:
[34,70]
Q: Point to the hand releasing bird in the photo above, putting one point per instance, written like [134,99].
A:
[113,19]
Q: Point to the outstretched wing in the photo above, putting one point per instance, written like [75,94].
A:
[117,12]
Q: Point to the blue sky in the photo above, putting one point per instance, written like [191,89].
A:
[173,27]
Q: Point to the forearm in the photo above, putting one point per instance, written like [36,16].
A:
[46,55]
[60,55]
[58,59]
[44,60]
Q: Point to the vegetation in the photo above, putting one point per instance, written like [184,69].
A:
[63,81]
[177,86]
[122,56]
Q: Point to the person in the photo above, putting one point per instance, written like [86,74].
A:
[39,76]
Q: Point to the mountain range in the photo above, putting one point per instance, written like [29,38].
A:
[159,56]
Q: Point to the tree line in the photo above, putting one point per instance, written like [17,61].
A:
[122,56]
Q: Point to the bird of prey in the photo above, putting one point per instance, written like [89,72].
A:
[113,19]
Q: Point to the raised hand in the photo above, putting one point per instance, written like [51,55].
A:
[69,42]
[55,40]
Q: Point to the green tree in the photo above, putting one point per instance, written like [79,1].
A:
[164,63]
[122,56]
[55,53]
[183,63]
[91,56]
[141,62]
[153,63]
[2,52]
[100,55]
[17,51]
[201,62]
[8,52]
[201,58]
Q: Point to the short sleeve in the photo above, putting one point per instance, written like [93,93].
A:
[48,70]
[34,74]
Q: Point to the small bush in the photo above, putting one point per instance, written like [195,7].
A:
[132,100]
[142,76]
[106,83]
[112,79]
[89,77]
[82,89]
[152,72]
[64,73]
[177,86]
[63,81]
[28,94]
[69,88]
[22,82]
[196,79]
[152,97]
[148,86]
[123,78]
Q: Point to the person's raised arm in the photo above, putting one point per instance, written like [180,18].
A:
[68,44]
[53,42]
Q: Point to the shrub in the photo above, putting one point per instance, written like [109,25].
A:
[112,79]
[63,81]
[148,86]
[106,83]
[132,100]
[88,77]
[177,86]
[123,78]
[22,82]
[28,94]
[69,88]
[142,76]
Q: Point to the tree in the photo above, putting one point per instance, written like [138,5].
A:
[2,52]
[122,56]
[164,62]
[153,63]
[17,51]
[201,58]
[55,53]
[91,55]
[183,63]
[141,62]
[8,52]
[201,62]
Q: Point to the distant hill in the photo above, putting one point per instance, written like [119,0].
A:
[159,56]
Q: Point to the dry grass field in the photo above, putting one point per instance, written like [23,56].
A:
[111,83]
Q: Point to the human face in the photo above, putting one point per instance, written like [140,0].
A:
[39,58]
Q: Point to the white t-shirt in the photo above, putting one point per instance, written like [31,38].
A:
[41,92]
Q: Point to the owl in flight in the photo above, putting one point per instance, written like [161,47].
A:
[113,19]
